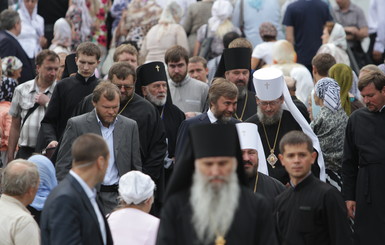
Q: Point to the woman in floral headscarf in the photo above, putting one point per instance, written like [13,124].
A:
[329,126]
[11,67]
[334,42]
[218,25]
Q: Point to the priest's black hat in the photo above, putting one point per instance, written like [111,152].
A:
[205,140]
[213,140]
[237,58]
[150,72]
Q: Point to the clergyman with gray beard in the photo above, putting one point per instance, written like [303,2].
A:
[273,120]
[208,201]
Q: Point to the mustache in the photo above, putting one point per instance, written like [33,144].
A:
[217,178]
[247,162]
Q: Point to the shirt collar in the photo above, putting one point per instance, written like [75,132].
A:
[383,108]
[35,88]
[10,33]
[294,186]
[91,193]
[211,116]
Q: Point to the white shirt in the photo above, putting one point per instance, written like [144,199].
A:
[211,116]
[91,194]
[263,52]
[376,23]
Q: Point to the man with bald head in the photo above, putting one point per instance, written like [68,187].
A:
[19,182]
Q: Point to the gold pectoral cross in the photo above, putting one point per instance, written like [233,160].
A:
[220,240]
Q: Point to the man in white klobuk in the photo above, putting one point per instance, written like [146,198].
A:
[276,116]
[252,155]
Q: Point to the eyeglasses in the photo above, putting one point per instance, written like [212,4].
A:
[127,87]
[271,103]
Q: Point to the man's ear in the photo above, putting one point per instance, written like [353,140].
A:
[144,90]
[314,155]
[281,158]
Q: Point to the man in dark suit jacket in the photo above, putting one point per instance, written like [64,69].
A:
[120,133]
[71,213]
[10,26]
[222,97]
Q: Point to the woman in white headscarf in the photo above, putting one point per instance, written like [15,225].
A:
[329,126]
[218,25]
[131,223]
[31,37]
[334,42]
[61,42]
[165,34]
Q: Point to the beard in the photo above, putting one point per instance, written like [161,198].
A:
[213,206]
[250,172]
[269,120]
[221,117]
[241,90]
[154,100]
[177,78]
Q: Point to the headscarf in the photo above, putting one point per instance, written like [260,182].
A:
[169,13]
[24,15]
[136,187]
[343,75]
[329,90]
[221,11]
[47,180]
[62,33]
[86,17]
[338,36]
[10,64]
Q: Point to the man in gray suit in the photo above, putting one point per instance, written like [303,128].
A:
[120,133]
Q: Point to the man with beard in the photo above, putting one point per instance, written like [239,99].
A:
[363,164]
[251,147]
[151,83]
[152,135]
[237,65]
[223,104]
[187,93]
[208,201]
[120,133]
[276,116]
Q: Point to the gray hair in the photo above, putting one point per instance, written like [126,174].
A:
[8,19]
[18,177]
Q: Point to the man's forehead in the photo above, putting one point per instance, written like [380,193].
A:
[196,64]
[129,79]
[239,70]
[215,159]
[158,83]
[83,56]
[181,61]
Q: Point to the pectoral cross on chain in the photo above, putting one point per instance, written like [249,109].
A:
[220,240]
[267,85]
[157,68]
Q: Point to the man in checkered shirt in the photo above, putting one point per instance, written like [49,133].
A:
[29,104]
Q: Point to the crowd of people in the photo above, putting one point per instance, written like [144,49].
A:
[192,122]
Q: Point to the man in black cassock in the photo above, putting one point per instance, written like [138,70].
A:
[363,164]
[152,135]
[237,65]
[67,94]
[208,201]
[309,211]
[151,83]
[276,116]
[251,146]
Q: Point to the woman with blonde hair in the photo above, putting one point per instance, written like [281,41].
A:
[165,34]
[218,25]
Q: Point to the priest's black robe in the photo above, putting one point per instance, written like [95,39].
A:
[312,213]
[363,173]
[266,186]
[152,135]
[288,124]
[66,96]
[171,117]
[252,223]
[249,110]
